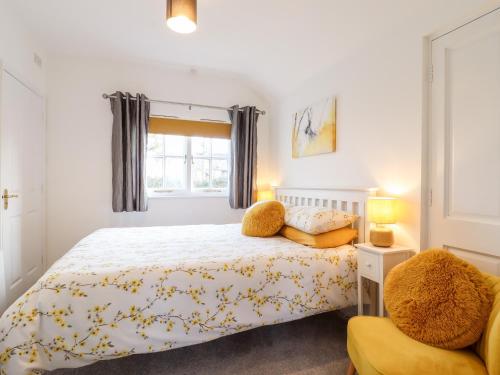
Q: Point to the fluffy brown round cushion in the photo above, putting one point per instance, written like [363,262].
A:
[438,299]
[263,219]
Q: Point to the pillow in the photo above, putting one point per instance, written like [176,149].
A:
[316,220]
[263,219]
[438,299]
[330,239]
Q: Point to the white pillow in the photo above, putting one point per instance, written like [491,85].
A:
[316,220]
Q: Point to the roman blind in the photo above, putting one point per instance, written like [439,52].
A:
[189,128]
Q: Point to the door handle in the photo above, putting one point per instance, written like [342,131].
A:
[6,196]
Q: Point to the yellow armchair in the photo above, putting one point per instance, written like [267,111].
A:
[377,347]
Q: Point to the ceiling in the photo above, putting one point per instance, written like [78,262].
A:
[276,44]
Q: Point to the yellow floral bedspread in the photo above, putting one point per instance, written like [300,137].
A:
[135,290]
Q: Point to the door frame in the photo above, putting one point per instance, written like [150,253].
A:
[427,76]
[5,70]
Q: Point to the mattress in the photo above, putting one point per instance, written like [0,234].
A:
[124,291]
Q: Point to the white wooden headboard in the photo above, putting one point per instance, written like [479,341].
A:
[349,200]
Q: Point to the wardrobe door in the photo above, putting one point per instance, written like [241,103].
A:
[21,182]
[464,216]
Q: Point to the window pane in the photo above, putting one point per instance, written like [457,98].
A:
[200,146]
[220,148]
[175,145]
[175,173]
[200,173]
[219,174]
[155,145]
[154,169]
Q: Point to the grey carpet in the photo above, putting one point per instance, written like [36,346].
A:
[312,346]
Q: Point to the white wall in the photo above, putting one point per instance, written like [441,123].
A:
[379,92]
[379,122]
[17,49]
[79,144]
[379,117]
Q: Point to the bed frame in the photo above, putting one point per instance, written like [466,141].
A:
[350,200]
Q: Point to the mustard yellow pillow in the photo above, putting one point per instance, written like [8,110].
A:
[438,299]
[263,219]
[326,240]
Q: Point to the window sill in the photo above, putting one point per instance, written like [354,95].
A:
[187,196]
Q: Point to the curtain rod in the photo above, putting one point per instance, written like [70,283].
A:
[106,96]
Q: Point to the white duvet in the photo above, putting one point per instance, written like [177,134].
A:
[135,290]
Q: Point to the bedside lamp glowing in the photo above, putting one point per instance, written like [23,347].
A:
[381,211]
[265,195]
[264,192]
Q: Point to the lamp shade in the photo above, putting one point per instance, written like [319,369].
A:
[382,210]
[265,195]
[181,15]
[265,192]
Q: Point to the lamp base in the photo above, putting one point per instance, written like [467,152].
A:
[382,237]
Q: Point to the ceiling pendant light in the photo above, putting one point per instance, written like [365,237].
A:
[181,15]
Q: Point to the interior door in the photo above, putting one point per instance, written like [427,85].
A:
[464,216]
[22,176]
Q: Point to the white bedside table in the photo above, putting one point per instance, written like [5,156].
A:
[373,264]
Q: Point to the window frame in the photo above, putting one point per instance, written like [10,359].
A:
[189,191]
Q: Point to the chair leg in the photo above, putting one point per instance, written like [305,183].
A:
[351,370]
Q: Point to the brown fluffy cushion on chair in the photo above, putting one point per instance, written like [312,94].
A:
[438,299]
[263,219]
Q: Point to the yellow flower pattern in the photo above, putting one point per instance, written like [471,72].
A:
[137,290]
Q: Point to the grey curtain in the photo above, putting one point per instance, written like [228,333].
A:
[129,142]
[242,179]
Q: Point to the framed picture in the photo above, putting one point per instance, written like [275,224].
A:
[315,129]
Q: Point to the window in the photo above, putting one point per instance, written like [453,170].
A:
[185,165]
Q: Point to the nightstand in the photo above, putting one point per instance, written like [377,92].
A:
[373,264]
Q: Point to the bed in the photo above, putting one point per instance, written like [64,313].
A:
[122,291]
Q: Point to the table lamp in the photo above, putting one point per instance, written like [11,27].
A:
[265,193]
[381,211]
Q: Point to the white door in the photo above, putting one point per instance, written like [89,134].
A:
[22,175]
[464,216]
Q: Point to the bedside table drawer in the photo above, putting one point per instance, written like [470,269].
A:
[368,265]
